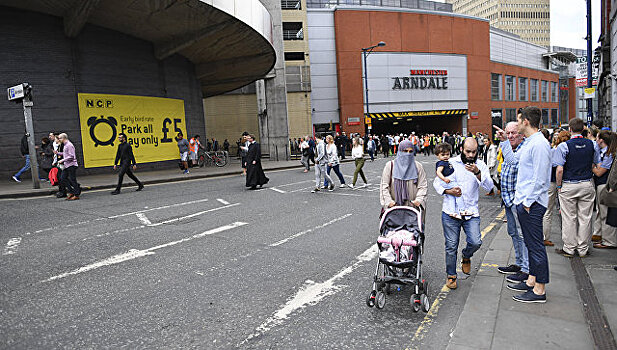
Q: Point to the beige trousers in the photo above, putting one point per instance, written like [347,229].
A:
[548,216]
[600,228]
[576,201]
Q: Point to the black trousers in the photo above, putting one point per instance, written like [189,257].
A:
[69,179]
[125,168]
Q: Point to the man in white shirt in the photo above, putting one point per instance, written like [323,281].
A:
[470,173]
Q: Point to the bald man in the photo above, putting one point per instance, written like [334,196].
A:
[519,271]
[470,173]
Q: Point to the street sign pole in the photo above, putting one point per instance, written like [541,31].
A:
[34,164]
[23,93]
[589,65]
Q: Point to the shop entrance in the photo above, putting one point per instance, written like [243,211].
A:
[419,125]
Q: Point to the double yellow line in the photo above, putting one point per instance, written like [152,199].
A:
[443,293]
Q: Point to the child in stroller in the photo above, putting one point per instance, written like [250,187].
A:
[400,257]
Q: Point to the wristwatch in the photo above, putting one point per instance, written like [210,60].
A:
[477,173]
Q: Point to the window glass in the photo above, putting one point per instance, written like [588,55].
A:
[522,89]
[509,88]
[495,87]
[534,89]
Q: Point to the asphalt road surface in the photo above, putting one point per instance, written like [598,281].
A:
[208,264]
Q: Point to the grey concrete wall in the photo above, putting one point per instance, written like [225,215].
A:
[34,49]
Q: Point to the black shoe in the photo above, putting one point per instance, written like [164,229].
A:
[517,278]
[519,287]
[60,195]
[509,270]
[115,192]
[564,253]
[139,188]
[253,188]
[530,297]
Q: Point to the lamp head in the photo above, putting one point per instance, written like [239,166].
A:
[381,43]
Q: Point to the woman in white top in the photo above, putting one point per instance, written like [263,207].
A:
[357,154]
[333,161]
[491,161]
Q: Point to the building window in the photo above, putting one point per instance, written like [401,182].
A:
[509,88]
[294,56]
[554,91]
[522,89]
[510,115]
[292,31]
[298,78]
[534,89]
[291,4]
[545,117]
[495,87]
[554,118]
[544,91]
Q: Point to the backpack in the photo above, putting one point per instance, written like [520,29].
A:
[53,176]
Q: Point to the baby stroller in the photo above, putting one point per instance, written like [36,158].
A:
[400,257]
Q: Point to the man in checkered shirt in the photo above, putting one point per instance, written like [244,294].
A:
[516,273]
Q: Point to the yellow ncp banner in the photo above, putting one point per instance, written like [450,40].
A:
[150,125]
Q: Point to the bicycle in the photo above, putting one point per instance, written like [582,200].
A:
[219,158]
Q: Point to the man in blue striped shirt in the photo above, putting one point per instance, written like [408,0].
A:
[518,272]
[531,200]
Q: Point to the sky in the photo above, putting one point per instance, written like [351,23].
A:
[569,24]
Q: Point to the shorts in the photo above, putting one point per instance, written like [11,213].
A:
[193,155]
[184,156]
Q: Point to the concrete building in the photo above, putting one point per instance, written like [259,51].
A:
[439,71]
[228,115]
[529,19]
[142,67]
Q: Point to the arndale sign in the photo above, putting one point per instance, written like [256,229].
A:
[422,79]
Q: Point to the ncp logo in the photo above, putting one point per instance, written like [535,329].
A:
[111,122]
[98,103]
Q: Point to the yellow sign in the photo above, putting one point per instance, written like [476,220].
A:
[451,112]
[150,125]
[590,90]
[368,120]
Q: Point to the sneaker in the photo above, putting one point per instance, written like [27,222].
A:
[351,186]
[16,179]
[530,297]
[331,188]
[367,184]
[466,266]
[185,172]
[316,189]
[509,270]
[519,287]
[324,187]
[60,195]
[342,186]
[115,192]
[517,278]
[139,188]
[451,282]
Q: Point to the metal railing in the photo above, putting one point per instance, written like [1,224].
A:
[411,4]
[293,34]
[291,4]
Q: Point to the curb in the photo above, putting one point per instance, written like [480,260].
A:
[48,192]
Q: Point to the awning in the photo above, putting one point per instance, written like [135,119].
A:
[411,114]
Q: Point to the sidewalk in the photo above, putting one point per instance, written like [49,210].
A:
[491,319]
[12,189]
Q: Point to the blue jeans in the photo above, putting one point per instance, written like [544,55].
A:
[452,232]
[514,230]
[25,168]
[531,225]
[338,173]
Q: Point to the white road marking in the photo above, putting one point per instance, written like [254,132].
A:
[303,189]
[310,294]
[142,217]
[277,190]
[222,201]
[283,241]
[11,246]
[192,215]
[119,215]
[295,183]
[135,253]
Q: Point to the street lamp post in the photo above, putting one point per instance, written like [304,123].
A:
[365,52]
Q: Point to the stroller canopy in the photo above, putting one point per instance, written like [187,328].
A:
[401,218]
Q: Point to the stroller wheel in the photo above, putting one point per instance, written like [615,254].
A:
[370,299]
[415,302]
[380,301]
[425,287]
[426,304]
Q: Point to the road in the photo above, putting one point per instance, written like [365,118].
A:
[208,264]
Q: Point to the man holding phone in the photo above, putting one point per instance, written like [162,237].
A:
[470,173]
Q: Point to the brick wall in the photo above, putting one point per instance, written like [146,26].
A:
[35,50]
